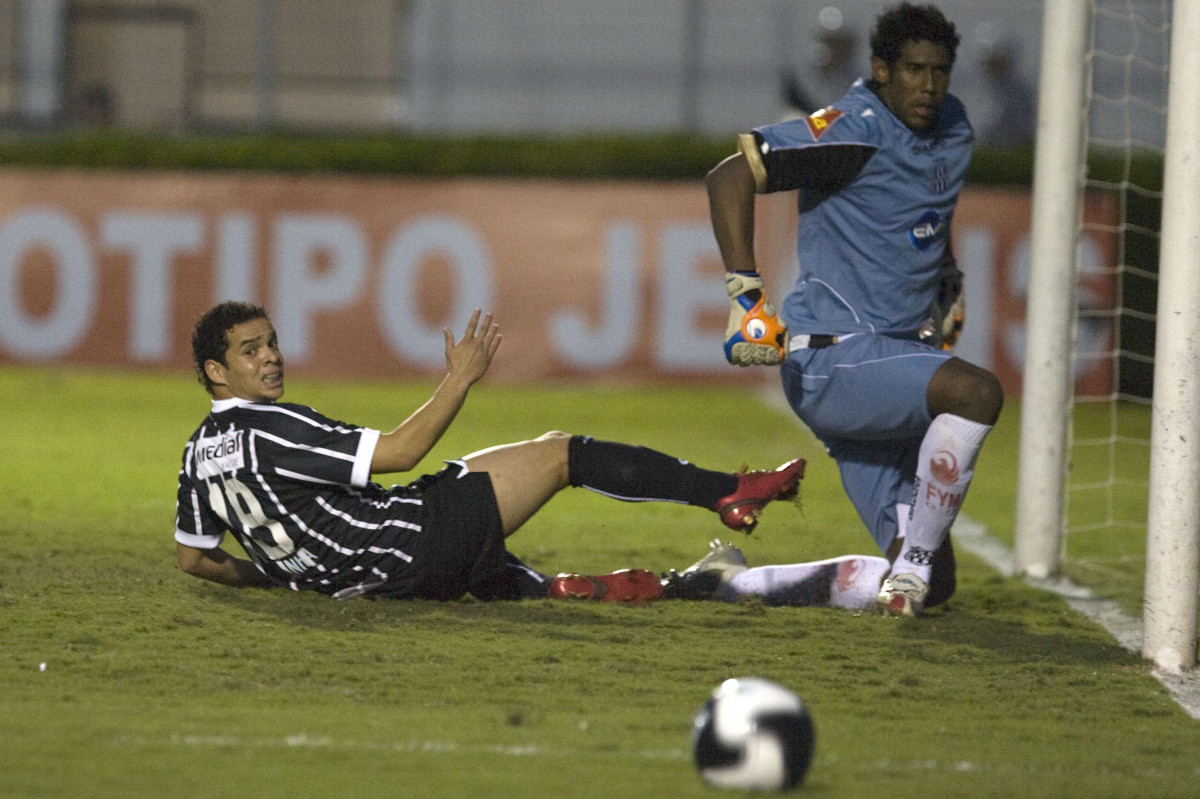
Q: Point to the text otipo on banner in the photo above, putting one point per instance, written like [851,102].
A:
[361,274]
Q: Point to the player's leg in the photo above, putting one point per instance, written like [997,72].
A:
[524,475]
[851,581]
[527,474]
[943,579]
[880,390]
[964,402]
[965,390]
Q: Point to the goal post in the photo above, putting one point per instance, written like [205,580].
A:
[1154,244]
[1173,521]
[1050,308]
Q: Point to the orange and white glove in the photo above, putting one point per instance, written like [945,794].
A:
[754,335]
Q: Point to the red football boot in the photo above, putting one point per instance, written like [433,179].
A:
[739,510]
[627,585]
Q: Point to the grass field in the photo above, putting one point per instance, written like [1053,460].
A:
[159,685]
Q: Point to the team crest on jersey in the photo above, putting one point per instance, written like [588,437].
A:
[220,454]
[821,121]
[926,231]
[940,176]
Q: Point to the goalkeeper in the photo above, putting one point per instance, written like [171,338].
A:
[863,338]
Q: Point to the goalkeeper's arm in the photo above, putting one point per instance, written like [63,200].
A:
[754,335]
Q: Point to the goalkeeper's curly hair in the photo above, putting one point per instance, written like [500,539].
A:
[208,336]
[904,23]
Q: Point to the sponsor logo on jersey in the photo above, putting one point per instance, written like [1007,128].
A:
[926,231]
[298,563]
[219,454]
[821,121]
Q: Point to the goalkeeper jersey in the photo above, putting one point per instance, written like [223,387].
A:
[876,201]
[293,487]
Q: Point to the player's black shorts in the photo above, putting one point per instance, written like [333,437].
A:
[461,549]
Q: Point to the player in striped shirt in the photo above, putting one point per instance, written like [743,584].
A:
[294,486]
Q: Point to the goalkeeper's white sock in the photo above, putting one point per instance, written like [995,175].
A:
[945,466]
[851,581]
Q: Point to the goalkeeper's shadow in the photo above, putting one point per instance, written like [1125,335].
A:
[1021,632]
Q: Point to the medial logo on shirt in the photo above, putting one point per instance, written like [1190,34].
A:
[220,454]
[926,231]
[821,121]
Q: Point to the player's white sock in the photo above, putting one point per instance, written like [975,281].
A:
[945,466]
[851,581]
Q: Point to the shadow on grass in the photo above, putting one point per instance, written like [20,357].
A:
[320,612]
[1016,624]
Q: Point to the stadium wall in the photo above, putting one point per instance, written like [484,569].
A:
[589,279]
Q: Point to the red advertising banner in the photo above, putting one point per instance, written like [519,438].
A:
[360,274]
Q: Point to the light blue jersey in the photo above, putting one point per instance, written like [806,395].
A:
[876,202]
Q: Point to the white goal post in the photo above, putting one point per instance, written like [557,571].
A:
[1050,307]
[1173,519]
[1173,529]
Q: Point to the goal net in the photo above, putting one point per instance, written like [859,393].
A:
[1096,439]
[1109,435]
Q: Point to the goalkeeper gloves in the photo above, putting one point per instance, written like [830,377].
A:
[754,336]
[948,309]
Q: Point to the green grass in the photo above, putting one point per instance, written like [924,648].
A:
[1105,544]
[160,685]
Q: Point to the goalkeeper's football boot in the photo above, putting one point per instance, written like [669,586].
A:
[633,586]
[706,578]
[740,510]
[902,595]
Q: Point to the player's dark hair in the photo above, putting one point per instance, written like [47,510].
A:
[208,336]
[903,23]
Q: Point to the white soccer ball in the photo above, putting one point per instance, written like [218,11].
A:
[753,735]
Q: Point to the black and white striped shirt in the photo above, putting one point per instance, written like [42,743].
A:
[294,488]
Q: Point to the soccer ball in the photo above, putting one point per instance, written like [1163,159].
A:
[753,735]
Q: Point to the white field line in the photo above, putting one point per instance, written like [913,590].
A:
[303,740]
[974,537]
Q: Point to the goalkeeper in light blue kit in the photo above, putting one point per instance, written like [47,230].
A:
[865,358]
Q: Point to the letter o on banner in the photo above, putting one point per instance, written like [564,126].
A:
[400,318]
[57,332]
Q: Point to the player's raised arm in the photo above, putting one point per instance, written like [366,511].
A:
[467,360]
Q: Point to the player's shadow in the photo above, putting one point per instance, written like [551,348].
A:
[311,610]
[1019,638]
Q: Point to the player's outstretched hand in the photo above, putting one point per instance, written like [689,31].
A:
[470,356]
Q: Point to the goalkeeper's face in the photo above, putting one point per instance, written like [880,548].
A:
[915,86]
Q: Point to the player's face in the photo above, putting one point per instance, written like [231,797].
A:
[253,368]
[916,84]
